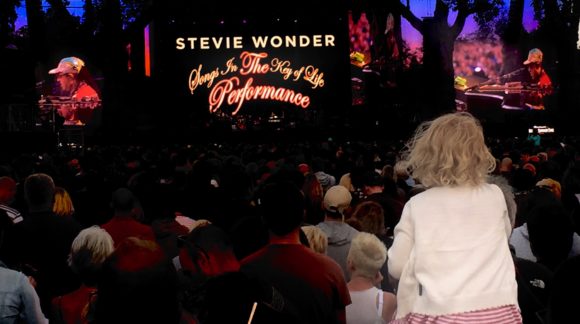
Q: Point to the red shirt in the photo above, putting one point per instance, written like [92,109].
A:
[72,308]
[535,100]
[121,228]
[544,81]
[85,92]
[314,283]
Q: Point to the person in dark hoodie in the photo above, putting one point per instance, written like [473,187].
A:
[336,200]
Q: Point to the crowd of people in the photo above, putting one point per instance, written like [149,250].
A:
[483,58]
[447,227]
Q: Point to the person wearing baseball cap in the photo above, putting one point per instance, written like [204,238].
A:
[68,65]
[72,80]
[336,201]
[537,78]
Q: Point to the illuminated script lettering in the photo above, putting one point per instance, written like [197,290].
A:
[315,77]
[196,78]
[228,90]
[233,83]
[251,63]
[281,66]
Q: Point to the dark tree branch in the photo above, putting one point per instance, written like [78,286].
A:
[411,18]
[441,11]
[59,8]
[463,11]
[459,23]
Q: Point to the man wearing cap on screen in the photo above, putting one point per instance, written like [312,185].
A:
[538,79]
[83,97]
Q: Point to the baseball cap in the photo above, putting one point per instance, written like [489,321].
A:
[337,199]
[68,65]
[534,56]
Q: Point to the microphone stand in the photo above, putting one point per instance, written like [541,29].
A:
[512,73]
[496,80]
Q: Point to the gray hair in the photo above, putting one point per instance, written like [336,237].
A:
[508,193]
[89,250]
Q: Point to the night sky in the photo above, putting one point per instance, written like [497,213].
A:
[421,8]
[425,8]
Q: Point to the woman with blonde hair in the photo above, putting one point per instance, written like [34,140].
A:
[370,217]
[370,305]
[317,240]
[88,252]
[450,251]
[63,205]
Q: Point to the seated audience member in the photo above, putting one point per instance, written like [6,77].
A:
[402,178]
[520,237]
[88,252]
[45,240]
[393,191]
[320,295]
[369,304]
[7,195]
[392,208]
[571,193]
[533,278]
[124,223]
[19,302]
[450,251]
[369,215]
[336,200]
[346,182]
[138,284]
[534,285]
[166,228]
[506,167]
[163,220]
[551,235]
[9,248]
[388,172]
[249,235]
[519,240]
[167,231]
[313,194]
[249,301]
[562,305]
[205,253]
[552,185]
[317,240]
[325,179]
[63,205]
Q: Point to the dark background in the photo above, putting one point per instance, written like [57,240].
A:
[109,37]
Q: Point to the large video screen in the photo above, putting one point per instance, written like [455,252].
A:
[248,73]
[416,60]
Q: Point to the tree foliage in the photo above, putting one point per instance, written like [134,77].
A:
[130,9]
[7,19]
